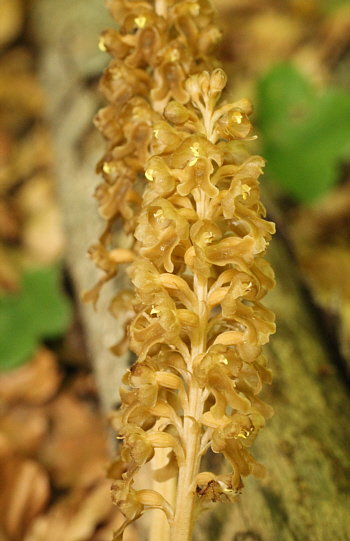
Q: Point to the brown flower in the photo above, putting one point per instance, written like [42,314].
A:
[197,324]
[164,234]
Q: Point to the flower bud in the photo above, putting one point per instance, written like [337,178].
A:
[176,113]
[218,82]
[136,440]
[204,82]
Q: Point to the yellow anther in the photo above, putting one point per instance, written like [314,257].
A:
[237,117]
[208,236]
[245,190]
[159,214]
[101,45]
[140,21]
[245,433]
[175,55]
[156,132]
[224,361]
[195,147]
[149,174]
[154,311]
[195,152]
[107,168]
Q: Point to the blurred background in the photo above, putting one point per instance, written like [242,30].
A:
[292,58]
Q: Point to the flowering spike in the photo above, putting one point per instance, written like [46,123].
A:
[196,324]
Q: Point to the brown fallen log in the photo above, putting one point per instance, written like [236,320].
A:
[306,495]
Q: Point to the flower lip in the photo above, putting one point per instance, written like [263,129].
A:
[192,148]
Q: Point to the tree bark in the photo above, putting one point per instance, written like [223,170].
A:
[70,63]
[304,446]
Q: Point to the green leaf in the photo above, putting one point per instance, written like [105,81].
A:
[332,5]
[39,310]
[305,133]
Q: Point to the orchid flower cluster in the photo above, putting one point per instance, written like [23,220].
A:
[157,45]
[198,324]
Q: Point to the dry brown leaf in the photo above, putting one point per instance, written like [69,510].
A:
[336,34]
[326,222]
[29,155]
[77,517]
[11,20]
[328,270]
[9,223]
[35,194]
[75,451]
[95,510]
[271,37]
[34,383]
[262,37]
[84,386]
[24,494]
[42,236]
[105,533]
[5,147]
[74,353]
[25,428]
[6,449]
[240,6]
[20,90]
[42,232]
[33,152]
[6,154]
[21,98]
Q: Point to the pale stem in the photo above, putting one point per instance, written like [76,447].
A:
[184,519]
[160,530]
[182,527]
